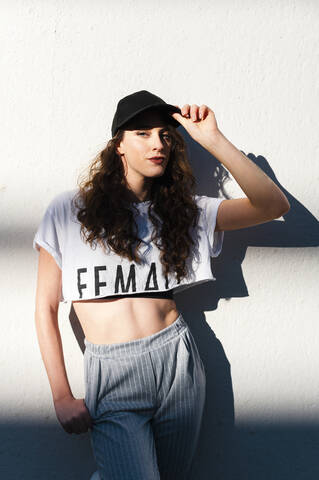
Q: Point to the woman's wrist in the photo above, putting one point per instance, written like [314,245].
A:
[59,397]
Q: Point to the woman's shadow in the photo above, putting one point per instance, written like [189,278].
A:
[219,454]
[222,452]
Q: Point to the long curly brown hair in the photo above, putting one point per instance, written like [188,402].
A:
[106,215]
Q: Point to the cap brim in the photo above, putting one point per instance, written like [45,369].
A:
[163,107]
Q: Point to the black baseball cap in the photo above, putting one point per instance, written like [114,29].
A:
[137,102]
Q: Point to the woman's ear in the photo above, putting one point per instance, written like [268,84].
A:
[119,150]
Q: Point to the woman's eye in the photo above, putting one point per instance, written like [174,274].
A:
[167,135]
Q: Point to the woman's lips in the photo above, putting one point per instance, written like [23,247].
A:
[157,160]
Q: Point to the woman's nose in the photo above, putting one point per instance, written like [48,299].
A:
[158,141]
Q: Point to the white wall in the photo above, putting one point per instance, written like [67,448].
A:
[64,66]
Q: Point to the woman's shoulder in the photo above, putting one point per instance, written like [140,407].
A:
[63,200]
[207,201]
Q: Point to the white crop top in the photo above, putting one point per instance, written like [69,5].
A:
[89,273]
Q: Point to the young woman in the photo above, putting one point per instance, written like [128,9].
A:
[118,247]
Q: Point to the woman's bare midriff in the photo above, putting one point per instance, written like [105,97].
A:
[124,319]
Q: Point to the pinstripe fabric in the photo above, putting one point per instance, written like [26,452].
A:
[146,399]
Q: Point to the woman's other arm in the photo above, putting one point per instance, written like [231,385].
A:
[264,202]
[71,413]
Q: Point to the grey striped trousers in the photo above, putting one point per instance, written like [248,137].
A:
[146,399]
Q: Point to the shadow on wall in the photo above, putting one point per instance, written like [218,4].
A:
[225,452]
[34,450]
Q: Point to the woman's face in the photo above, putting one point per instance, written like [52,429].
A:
[145,136]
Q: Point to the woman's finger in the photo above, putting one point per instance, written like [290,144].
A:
[194,112]
[185,110]
[202,112]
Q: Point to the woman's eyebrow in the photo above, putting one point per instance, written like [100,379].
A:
[147,127]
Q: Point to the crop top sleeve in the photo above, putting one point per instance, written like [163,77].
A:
[215,238]
[47,235]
